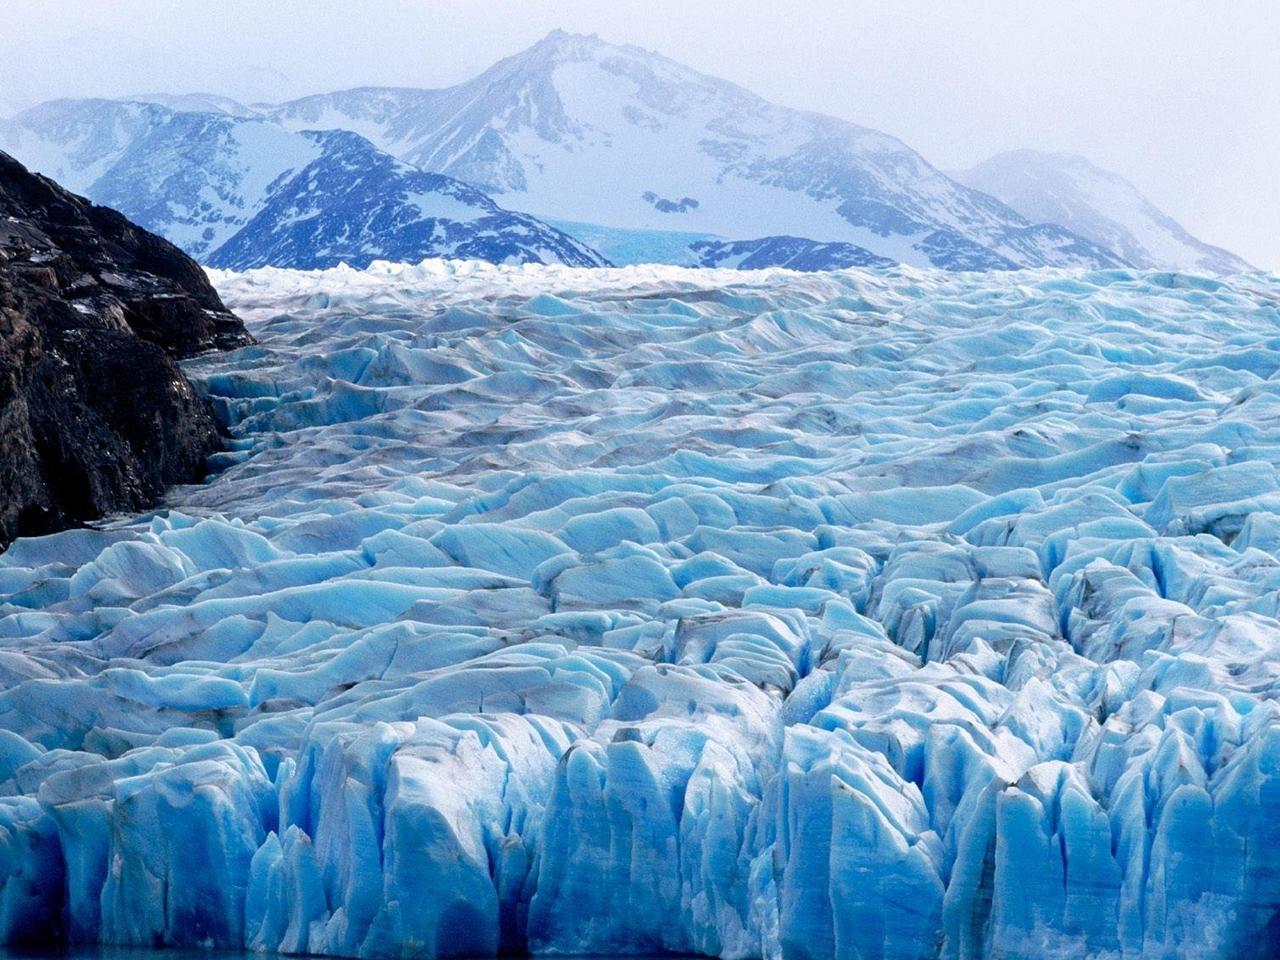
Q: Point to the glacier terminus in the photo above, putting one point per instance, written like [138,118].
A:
[886,613]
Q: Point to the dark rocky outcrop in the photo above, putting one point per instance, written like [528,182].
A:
[95,415]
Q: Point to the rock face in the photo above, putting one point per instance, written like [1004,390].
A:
[95,415]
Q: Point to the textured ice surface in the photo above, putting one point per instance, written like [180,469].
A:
[859,615]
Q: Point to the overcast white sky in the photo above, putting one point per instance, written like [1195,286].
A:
[1181,97]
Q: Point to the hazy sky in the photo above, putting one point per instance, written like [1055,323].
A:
[1181,97]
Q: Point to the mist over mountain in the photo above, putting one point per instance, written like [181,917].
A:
[1097,204]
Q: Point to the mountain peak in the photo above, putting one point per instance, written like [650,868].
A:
[569,44]
[560,36]
[1100,205]
[561,46]
[592,132]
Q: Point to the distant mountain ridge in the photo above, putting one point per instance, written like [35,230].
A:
[583,130]
[608,141]
[1097,204]
[354,204]
[243,191]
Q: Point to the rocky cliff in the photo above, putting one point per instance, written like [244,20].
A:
[95,414]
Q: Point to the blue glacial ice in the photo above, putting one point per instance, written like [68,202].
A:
[860,615]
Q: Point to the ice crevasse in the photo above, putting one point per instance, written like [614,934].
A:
[864,615]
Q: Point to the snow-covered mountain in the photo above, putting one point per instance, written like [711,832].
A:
[355,204]
[1097,204]
[617,146]
[244,191]
[583,130]
[76,141]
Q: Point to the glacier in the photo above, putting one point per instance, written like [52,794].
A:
[864,614]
